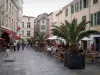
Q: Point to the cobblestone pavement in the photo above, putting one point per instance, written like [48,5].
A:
[29,62]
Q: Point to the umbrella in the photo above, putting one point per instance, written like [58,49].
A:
[86,39]
[52,38]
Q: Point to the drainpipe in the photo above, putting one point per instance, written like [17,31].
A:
[89,3]
[0,14]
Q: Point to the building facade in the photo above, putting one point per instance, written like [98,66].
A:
[52,21]
[42,24]
[28,27]
[10,14]
[88,10]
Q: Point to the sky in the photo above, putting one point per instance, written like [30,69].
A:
[36,7]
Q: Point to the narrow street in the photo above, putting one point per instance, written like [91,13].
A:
[29,62]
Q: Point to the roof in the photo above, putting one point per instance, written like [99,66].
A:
[60,11]
[74,1]
[50,13]
[29,16]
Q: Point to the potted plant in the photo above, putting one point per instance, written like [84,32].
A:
[73,33]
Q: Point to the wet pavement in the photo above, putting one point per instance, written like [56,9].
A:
[29,62]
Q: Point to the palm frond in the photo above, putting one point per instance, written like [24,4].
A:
[86,33]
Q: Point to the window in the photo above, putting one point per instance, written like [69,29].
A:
[12,10]
[43,21]
[28,19]
[95,18]
[95,1]
[9,22]
[84,18]
[66,12]
[72,9]
[75,7]
[10,7]
[85,5]
[6,20]
[23,24]
[28,33]
[80,4]
[28,25]
[7,4]
[23,33]
[2,18]
[43,27]
[76,21]
[12,24]
[3,2]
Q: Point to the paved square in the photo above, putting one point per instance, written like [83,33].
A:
[29,62]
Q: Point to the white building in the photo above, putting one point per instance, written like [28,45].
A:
[28,27]
[11,15]
[88,10]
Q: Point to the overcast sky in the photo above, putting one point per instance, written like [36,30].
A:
[36,7]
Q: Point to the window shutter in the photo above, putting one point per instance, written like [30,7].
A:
[98,18]
[91,19]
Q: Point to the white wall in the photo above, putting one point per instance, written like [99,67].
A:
[25,29]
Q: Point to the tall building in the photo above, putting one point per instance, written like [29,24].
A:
[42,24]
[87,10]
[10,16]
[28,27]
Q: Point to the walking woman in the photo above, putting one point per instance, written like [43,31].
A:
[8,50]
[18,46]
[14,47]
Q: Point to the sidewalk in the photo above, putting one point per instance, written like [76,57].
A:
[2,57]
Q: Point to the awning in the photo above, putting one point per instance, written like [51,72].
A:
[10,32]
[2,41]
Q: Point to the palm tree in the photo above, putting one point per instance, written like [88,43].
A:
[41,37]
[72,32]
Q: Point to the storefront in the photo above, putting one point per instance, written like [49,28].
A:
[96,41]
[7,35]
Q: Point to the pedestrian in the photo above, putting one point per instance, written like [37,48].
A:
[14,47]
[23,45]
[18,46]
[92,46]
[99,46]
[8,50]
[27,45]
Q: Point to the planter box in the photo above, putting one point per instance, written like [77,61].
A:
[74,61]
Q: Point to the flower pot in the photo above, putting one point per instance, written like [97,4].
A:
[74,61]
